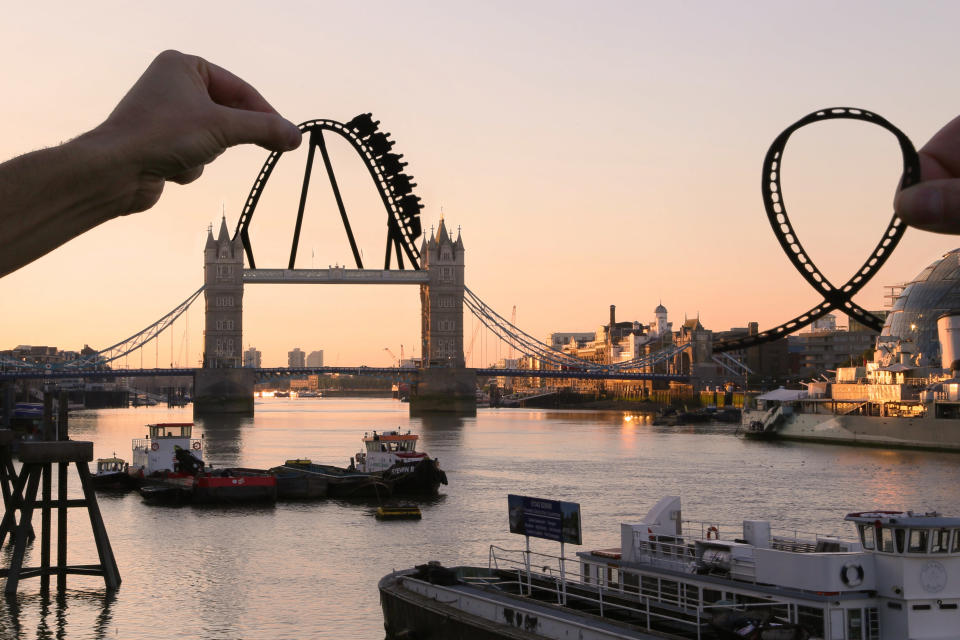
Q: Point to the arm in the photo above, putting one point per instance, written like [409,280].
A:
[934,203]
[181,114]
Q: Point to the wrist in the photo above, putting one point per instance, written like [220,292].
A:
[111,172]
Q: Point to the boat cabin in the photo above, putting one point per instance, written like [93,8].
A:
[155,452]
[111,465]
[898,580]
[383,450]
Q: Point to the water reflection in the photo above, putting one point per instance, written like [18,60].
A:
[223,435]
[49,614]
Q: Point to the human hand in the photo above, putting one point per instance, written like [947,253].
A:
[934,203]
[181,114]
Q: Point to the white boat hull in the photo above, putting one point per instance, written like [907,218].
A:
[920,433]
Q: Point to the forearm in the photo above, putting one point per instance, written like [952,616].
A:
[53,195]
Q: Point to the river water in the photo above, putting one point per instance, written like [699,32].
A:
[310,569]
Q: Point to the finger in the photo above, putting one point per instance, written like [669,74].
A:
[231,91]
[268,130]
[944,150]
[933,205]
[187,176]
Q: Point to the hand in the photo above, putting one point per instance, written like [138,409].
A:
[934,203]
[181,114]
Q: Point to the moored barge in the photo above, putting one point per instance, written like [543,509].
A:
[898,580]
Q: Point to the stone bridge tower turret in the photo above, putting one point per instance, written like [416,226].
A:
[223,294]
[445,384]
[442,301]
[222,386]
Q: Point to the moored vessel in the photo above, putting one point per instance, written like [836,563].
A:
[868,406]
[670,579]
[394,456]
[113,474]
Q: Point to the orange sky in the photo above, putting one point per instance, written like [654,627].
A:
[593,155]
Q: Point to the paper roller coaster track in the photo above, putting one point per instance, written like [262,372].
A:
[834,298]
[386,169]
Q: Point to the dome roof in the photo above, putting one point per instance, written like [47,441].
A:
[660,309]
[935,291]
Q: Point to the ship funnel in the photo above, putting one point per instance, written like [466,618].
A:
[948,330]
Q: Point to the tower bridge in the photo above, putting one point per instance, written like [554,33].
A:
[436,266]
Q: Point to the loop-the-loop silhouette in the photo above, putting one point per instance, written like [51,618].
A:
[834,298]
[386,169]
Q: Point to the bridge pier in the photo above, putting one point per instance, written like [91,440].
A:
[223,391]
[444,390]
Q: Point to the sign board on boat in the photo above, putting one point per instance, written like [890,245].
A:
[547,519]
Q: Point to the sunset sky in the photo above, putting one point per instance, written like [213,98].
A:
[592,153]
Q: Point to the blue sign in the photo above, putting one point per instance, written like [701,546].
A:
[547,519]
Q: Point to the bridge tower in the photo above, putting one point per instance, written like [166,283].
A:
[222,386]
[223,294]
[445,384]
[441,300]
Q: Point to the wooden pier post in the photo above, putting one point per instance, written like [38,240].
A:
[38,458]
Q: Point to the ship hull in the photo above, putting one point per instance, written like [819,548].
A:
[874,431]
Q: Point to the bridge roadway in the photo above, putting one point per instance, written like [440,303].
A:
[382,372]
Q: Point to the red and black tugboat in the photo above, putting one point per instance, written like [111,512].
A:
[394,456]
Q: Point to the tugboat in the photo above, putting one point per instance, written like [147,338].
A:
[113,475]
[900,578]
[169,462]
[394,456]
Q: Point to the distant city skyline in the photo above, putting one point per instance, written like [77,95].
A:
[589,159]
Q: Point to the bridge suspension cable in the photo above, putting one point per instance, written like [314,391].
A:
[530,346]
[135,341]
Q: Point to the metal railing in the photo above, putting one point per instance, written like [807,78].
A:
[649,606]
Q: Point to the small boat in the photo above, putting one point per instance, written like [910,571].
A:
[394,455]
[669,578]
[399,512]
[113,475]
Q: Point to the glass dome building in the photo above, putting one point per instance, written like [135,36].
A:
[913,319]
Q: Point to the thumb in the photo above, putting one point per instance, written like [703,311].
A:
[267,130]
[932,206]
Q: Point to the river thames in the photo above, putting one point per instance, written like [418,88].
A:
[310,569]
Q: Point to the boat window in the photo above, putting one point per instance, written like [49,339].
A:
[587,570]
[613,578]
[900,536]
[918,540]
[854,624]
[956,541]
[811,619]
[886,540]
[939,540]
[866,536]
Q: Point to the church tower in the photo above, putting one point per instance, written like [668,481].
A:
[442,300]
[223,294]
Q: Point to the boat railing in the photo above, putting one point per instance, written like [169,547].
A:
[653,608]
[778,535]
[141,443]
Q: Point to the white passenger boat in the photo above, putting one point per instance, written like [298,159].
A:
[899,580]
[871,406]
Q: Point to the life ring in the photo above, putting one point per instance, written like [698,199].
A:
[196,446]
[155,446]
[851,574]
[716,532]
